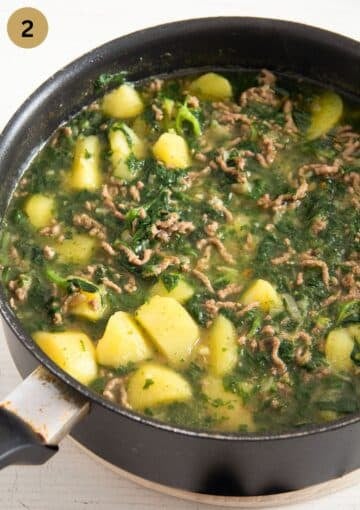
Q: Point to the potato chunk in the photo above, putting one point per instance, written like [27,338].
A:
[40,210]
[123,102]
[89,305]
[262,292]
[212,87]
[170,326]
[326,111]
[229,408]
[153,385]
[85,171]
[73,351]
[77,250]
[339,346]
[223,346]
[172,150]
[122,342]
[182,291]
[124,142]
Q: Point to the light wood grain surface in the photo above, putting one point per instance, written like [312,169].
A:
[72,480]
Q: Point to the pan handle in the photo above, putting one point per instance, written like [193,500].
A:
[19,444]
[36,416]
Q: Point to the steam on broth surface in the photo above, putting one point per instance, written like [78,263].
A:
[189,248]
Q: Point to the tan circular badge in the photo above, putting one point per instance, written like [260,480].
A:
[27,27]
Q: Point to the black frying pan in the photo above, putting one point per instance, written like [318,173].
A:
[210,463]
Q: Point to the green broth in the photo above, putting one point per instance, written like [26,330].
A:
[261,187]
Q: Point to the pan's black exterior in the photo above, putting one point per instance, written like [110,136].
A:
[199,462]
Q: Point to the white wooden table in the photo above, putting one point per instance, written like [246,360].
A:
[72,480]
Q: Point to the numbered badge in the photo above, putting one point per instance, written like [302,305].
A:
[27,27]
